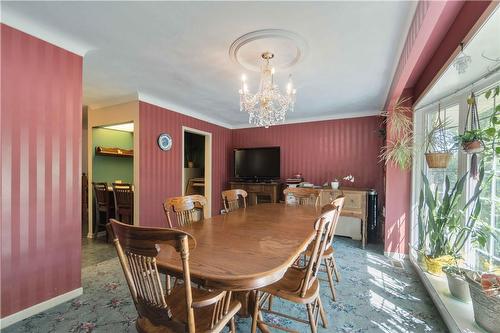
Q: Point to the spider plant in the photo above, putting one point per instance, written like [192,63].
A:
[399,151]
[399,147]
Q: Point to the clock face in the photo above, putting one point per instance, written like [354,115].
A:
[165,141]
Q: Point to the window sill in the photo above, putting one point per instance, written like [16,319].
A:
[458,316]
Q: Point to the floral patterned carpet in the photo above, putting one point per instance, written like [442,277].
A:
[373,296]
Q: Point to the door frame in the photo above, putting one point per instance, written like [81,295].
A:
[208,166]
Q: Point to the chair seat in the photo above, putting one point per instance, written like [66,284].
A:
[202,316]
[289,287]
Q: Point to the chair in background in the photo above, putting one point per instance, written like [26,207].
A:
[101,206]
[299,285]
[187,209]
[234,199]
[302,196]
[184,309]
[124,202]
[328,258]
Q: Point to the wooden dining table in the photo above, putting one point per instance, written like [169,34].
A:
[245,249]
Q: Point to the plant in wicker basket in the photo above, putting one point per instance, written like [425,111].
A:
[439,145]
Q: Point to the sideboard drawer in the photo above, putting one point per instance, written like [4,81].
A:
[354,201]
[254,188]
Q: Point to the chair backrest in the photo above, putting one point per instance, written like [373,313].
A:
[303,196]
[323,226]
[100,193]
[186,209]
[232,198]
[336,206]
[123,194]
[137,248]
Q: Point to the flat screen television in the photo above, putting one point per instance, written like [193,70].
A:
[257,163]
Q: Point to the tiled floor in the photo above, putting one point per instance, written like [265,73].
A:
[373,296]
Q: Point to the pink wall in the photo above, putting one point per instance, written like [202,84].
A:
[41,101]
[160,172]
[324,150]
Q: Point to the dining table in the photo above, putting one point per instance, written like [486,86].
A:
[245,249]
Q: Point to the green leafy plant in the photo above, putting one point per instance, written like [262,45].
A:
[399,147]
[443,220]
[470,136]
[492,133]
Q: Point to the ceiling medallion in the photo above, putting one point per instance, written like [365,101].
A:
[268,106]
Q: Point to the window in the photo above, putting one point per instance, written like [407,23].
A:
[454,109]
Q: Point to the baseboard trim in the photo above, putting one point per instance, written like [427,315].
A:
[40,307]
[397,255]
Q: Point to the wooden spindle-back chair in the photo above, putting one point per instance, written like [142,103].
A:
[234,199]
[124,202]
[101,205]
[184,309]
[186,209]
[300,285]
[302,196]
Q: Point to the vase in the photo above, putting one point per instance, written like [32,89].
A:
[457,284]
[435,265]
[335,185]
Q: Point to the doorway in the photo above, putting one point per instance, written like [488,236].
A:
[197,165]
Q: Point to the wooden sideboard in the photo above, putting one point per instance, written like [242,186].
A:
[355,205]
[254,189]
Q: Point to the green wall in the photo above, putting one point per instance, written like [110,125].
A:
[109,168]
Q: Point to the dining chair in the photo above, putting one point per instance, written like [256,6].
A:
[299,284]
[124,202]
[328,258]
[302,196]
[185,309]
[101,206]
[187,209]
[234,199]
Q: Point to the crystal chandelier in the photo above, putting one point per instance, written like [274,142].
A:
[268,106]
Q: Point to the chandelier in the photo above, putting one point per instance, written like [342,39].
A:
[268,106]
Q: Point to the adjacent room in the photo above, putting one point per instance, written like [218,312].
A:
[256,166]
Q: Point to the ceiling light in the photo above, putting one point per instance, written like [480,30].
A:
[462,61]
[268,106]
[127,127]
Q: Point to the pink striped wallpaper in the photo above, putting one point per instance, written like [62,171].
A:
[160,172]
[40,226]
[324,150]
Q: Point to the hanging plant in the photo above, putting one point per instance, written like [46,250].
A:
[472,137]
[438,150]
[399,148]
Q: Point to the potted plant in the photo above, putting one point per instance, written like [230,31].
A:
[457,283]
[438,150]
[442,217]
[472,141]
[485,294]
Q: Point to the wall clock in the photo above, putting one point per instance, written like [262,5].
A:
[165,141]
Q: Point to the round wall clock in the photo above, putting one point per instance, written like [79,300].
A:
[165,141]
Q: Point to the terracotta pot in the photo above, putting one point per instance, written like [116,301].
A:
[473,147]
[435,265]
[438,160]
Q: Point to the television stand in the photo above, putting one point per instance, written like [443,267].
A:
[270,189]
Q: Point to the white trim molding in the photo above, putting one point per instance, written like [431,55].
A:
[40,307]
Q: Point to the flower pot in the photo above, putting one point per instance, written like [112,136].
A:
[335,185]
[435,265]
[457,284]
[438,160]
[486,308]
[473,147]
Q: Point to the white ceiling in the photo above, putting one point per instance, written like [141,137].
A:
[486,43]
[176,54]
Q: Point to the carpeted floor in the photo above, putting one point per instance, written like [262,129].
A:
[373,296]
